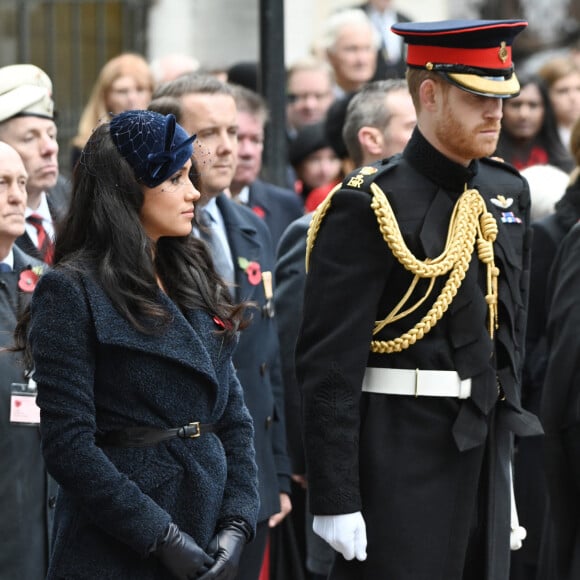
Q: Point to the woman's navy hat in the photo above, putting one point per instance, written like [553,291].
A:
[475,55]
[154,145]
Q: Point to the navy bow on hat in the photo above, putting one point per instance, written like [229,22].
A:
[154,145]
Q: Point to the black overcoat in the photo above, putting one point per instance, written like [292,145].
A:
[278,207]
[96,373]
[560,407]
[425,470]
[27,493]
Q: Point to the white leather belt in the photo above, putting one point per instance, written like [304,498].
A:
[415,382]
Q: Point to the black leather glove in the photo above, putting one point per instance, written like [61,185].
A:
[227,547]
[180,554]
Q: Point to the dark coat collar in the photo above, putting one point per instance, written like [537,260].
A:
[185,340]
[428,161]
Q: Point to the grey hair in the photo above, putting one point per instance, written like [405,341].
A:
[342,19]
[368,109]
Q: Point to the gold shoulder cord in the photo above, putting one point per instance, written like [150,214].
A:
[470,223]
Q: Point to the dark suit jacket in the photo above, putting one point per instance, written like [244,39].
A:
[290,281]
[278,207]
[28,494]
[58,199]
[96,373]
[257,356]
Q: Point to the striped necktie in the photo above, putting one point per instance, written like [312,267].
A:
[44,243]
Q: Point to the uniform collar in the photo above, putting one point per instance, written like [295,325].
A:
[435,166]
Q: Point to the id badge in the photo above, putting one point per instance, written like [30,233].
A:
[23,407]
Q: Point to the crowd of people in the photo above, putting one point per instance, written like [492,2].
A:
[365,372]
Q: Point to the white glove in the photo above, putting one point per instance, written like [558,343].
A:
[346,533]
[517,536]
[517,533]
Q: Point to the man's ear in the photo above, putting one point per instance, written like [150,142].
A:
[371,140]
[429,94]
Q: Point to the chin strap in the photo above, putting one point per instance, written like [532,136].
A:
[470,224]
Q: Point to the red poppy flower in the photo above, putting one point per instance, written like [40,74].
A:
[225,325]
[254,273]
[259,211]
[27,281]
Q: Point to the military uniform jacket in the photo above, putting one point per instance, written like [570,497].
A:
[27,493]
[96,373]
[413,465]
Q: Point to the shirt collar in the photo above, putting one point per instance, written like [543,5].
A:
[244,195]
[42,210]
[9,259]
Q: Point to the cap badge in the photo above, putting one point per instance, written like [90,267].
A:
[503,52]
[501,201]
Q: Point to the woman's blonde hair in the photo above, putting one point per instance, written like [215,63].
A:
[95,111]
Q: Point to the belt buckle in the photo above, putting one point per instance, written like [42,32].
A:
[196,431]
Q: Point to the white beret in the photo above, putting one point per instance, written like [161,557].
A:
[25,89]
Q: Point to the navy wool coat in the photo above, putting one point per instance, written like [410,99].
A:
[96,373]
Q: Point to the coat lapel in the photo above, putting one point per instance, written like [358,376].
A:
[259,199]
[244,245]
[179,342]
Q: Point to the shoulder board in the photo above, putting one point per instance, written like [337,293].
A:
[500,164]
[361,178]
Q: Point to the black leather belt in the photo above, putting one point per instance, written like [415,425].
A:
[145,437]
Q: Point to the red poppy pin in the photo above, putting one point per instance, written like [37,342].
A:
[252,270]
[28,278]
[226,325]
[259,211]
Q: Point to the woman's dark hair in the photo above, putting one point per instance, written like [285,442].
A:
[548,136]
[102,233]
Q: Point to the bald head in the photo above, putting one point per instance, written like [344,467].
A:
[13,178]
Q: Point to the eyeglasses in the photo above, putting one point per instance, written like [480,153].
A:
[295,97]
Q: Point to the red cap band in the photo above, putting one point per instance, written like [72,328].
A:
[497,57]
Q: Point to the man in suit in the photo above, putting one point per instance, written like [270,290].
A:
[410,365]
[391,54]
[243,247]
[27,495]
[275,205]
[27,124]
